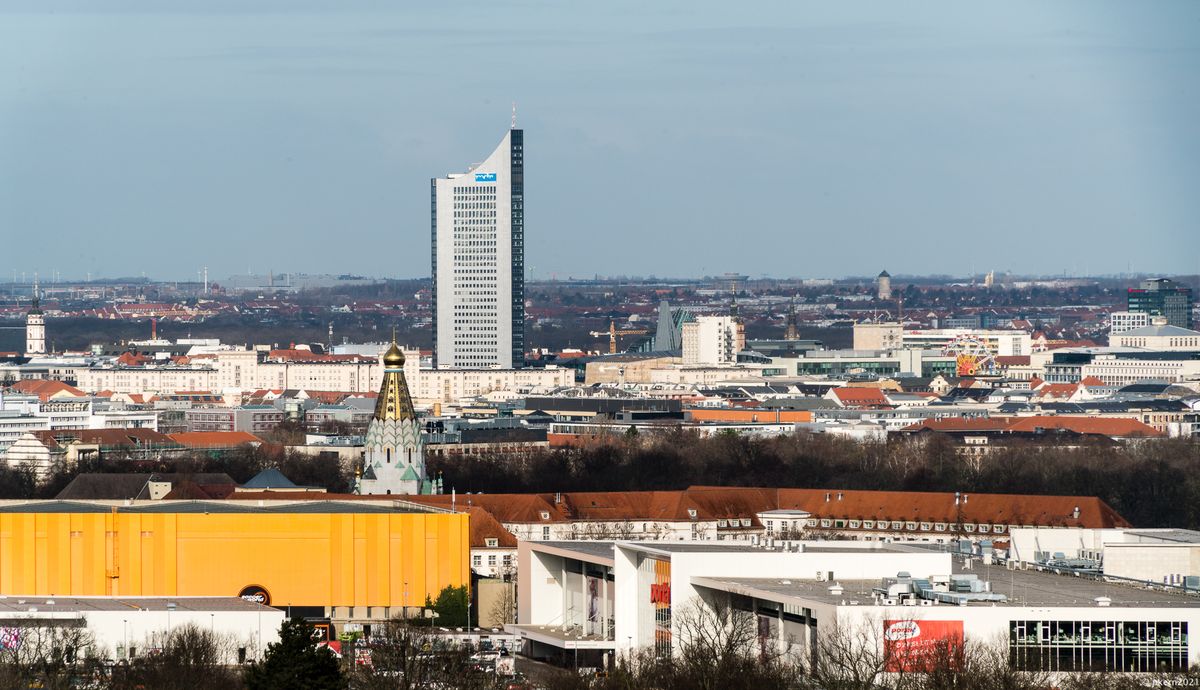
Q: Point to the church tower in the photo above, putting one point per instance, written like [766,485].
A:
[35,327]
[395,451]
[791,332]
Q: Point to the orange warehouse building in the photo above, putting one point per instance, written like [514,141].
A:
[748,415]
[355,561]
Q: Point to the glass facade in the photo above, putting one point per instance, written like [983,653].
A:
[1098,645]
[654,585]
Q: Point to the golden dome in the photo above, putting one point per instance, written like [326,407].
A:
[393,358]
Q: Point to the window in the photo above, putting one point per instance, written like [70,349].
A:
[545,532]
[492,542]
[476,560]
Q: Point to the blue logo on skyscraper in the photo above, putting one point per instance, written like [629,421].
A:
[485,177]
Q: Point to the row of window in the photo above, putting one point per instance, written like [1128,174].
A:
[477,560]
[895,525]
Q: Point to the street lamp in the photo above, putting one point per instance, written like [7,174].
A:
[125,629]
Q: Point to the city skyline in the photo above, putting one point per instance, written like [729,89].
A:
[1037,140]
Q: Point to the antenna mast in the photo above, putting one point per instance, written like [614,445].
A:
[514,115]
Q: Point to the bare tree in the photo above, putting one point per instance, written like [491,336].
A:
[45,655]
[403,657]
[504,609]
[189,657]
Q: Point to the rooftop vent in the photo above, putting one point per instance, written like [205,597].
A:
[1103,601]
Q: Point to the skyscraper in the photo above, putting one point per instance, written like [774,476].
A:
[1163,297]
[478,253]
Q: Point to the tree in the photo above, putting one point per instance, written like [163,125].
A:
[296,662]
[451,606]
[191,659]
[403,657]
[504,608]
[44,656]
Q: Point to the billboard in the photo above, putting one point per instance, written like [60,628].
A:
[920,645]
[485,177]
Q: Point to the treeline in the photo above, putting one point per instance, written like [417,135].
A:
[1152,483]
[241,464]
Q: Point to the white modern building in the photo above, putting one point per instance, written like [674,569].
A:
[1159,336]
[713,340]
[887,605]
[23,413]
[1122,321]
[1167,557]
[478,253]
[123,628]
[997,342]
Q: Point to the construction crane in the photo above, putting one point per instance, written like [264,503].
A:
[613,333]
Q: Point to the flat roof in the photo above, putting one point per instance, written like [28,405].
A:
[12,604]
[280,506]
[1022,587]
[1183,536]
[590,551]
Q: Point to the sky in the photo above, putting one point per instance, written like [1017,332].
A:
[689,138]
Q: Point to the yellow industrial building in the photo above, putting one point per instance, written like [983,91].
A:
[356,560]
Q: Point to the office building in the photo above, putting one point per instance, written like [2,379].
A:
[478,257]
[1163,297]
[890,604]
[713,340]
[1121,321]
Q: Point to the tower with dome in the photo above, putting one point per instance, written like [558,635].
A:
[394,461]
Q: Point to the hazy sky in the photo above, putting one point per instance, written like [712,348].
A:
[668,138]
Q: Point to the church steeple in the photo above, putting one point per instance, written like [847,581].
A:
[35,326]
[394,401]
[394,460]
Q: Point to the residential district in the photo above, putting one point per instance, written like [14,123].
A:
[158,482]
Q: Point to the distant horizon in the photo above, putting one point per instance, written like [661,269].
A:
[281,277]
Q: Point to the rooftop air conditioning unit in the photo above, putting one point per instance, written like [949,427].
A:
[821,576]
[889,602]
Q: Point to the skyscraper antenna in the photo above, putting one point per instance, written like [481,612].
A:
[514,115]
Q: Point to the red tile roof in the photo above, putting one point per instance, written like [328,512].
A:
[111,438]
[1012,360]
[716,502]
[860,397]
[292,355]
[1113,427]
[215,439]
[1058,390]
[928,506]
[45,389]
